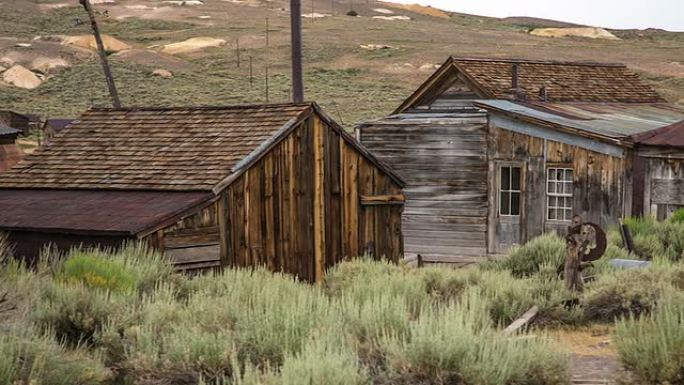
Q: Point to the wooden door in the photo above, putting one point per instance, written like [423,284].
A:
[509,190]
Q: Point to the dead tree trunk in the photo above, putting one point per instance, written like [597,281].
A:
[103,55]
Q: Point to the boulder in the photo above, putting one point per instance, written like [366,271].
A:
[392,18]
[162,73]
[6,62]
[48,66]
[191,45]
[21,77]
[2,69]
[111,44]
[375,47]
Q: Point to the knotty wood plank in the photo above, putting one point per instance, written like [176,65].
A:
[319,198]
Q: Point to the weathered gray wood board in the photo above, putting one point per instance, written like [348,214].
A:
[444,161]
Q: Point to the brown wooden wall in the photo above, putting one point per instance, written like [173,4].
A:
[444,162]
[299,208]
[600,181]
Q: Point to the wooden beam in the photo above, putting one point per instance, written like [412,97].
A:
[319,197]
[522,321]
[373,200]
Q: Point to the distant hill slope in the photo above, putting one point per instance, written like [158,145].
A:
[351,82]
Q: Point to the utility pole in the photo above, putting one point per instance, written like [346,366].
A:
[237,51]
[297,72]
[116,103]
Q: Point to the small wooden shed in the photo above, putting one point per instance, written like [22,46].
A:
[659,171]
[16,120]
[498,151]
[281,186]
[9,153]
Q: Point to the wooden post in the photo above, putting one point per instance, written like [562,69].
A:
[319,197]
[573,257]
[103,55]
[296,42]
[251,74]
[237,51]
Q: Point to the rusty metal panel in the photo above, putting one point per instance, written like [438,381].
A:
[108,212]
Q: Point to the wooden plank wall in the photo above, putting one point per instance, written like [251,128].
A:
[193,243]
[444,161]
[599,179]
[278,215]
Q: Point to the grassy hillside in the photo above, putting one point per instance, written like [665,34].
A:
[351,82]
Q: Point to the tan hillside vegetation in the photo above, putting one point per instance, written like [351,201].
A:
[350,82]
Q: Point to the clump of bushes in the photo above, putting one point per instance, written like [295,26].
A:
[651,347]
[653,239]
[30,357]
[525,260]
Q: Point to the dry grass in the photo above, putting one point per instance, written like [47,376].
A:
[591,340]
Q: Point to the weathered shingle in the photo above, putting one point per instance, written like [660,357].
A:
[564,81]
[188,149]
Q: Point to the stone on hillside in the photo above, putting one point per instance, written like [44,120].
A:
[184,2]
[392,18]
[588,32]
[428,67]
[2,69]
[23,45]
[191,45]
[6,62]
[111,44]
[314,15]
[21,77]
[375,47]
[384,11]
[49,66]
[162,73]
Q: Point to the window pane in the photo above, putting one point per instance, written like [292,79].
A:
[552,187]
[568,175]
[568,203]
[568,215]
[515,203]
[505,178]
[567,188]
[552,214]
[504,206]
[552,202]
[515,178]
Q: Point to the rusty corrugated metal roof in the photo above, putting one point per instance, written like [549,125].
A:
[668,136]
[611,120]
[6,130]
[110,212]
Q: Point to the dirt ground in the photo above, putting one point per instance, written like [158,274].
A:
[593,354]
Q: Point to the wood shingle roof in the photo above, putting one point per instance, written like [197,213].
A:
[564,81]
[176,149]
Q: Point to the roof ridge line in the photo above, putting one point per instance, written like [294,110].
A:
[533,61]
[202,107]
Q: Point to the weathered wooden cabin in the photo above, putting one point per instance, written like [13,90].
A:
[659,169]
[9,153]
[281,186]
[496,151]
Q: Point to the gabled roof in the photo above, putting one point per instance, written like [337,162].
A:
[668,136]
[105,212]
[564,81]
[613,122]
[172,149]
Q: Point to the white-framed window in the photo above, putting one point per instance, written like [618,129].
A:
[559,194]
[509,190]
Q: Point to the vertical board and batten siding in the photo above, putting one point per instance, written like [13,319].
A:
[444,162]
[279,215]
[599,180]
[663,185]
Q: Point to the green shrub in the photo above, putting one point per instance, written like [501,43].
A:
[74,312]
[98,273]
[28,357]
[624,292]
[325,360]
[456,344]
[652,346]
[525,260]
[677,216]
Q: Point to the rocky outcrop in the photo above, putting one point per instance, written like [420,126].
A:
[191,45]
[21,77]
[111,44]
[588,32]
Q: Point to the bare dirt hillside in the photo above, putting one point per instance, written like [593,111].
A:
[352,82]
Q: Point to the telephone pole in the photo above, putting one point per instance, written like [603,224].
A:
[297,72]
